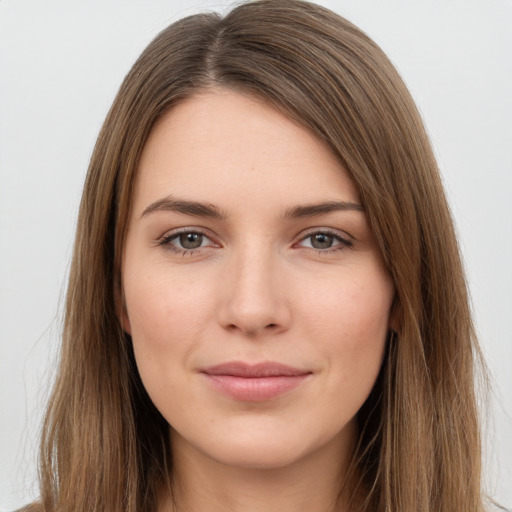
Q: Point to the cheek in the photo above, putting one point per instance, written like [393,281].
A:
[159,306]
[167,316]
[355,308]
[349,323]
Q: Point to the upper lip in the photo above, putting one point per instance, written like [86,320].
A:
[265,369]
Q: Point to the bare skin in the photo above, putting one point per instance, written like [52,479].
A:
[312,483]
[248,248]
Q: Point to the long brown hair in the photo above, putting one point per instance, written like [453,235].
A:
[105,447]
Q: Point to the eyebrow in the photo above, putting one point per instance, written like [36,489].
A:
[198,209]
[193,208]
[312,210]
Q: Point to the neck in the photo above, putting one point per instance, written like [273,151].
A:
[314,483]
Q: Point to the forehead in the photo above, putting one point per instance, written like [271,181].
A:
[225,147]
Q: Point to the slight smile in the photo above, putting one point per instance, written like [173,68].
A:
[254,383]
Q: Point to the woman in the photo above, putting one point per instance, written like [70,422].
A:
[266,307]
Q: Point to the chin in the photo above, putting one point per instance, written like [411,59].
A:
[264,448]
[258,455]
[257,458]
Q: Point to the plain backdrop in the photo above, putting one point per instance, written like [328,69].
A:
[61,63]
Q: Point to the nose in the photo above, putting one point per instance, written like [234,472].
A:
[254,294]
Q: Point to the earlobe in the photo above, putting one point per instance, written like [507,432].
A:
[120,305]
[125,322]
[395,315]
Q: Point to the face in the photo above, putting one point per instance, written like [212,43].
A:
[254,291]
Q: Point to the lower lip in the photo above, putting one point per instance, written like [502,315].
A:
[255,389]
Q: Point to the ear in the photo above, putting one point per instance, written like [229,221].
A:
[120,305]
[395,316]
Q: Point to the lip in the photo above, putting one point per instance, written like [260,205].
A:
[254,383]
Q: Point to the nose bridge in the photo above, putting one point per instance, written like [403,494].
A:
[254,301]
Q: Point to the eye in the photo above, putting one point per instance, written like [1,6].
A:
[190,240]
[185,241]
[325,241]
[321,241]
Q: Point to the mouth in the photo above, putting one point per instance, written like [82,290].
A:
[254,383]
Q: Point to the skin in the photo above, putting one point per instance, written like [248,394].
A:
[307,291]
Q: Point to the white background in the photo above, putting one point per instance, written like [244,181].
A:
[61,63]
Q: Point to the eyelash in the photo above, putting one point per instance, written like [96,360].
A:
[166,241]
[341,242]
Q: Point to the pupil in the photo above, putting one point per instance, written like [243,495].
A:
[191,240]
[321,241]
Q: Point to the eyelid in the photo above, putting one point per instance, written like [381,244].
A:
[165,241]
[343,238]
